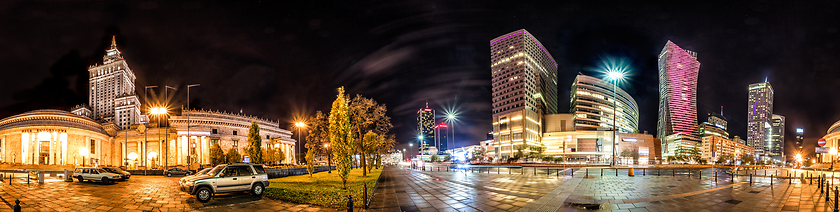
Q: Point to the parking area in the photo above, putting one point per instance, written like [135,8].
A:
[140,193]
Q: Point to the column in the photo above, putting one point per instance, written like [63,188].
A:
[63,139]
[123,153]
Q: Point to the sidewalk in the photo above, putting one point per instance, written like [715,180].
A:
[413,190]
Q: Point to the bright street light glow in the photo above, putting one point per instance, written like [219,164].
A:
[615,75]
[420,137]
[159,110]
[300,124]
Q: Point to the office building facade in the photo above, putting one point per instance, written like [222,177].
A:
[776,148]
[524,81]
[677,123]
[759,115]
[425,128]
[715,146]
[112,97]
[592,104]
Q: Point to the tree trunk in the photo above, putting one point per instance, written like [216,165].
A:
[362,152]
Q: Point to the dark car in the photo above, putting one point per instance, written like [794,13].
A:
[124,175]
[176,171]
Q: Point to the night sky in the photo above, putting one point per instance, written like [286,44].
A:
[280,61]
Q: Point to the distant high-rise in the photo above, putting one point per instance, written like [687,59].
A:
[678,72]
[717,120]
[800,133]
[425,128]
[442,137]
[592,105]
[759,115]
[776,148]
[524,79]
[112,96]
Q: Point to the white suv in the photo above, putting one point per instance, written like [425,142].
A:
[95,174]
[227,178]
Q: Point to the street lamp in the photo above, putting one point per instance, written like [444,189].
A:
[614,76]
[329,157]
[299,125]
[189,137]
[159,111]
[84,153]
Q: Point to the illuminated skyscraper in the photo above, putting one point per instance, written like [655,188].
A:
[442,137]
[776,147]
[425,128]
[677,124]
[799,137]
[524,77]
[112,97]
[592,105]
[759,115]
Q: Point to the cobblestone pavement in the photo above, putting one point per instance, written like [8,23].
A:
[140,193]
[413,190]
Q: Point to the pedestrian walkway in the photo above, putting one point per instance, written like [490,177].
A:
[414,190]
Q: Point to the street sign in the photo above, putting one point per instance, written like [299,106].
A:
[821,150]
[821,142]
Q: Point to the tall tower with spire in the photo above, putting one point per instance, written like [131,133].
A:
[112,95]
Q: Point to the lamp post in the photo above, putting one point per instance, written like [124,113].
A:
[615,76]
[161,111]
[166,133]
[451,119]
[189,137]
[150,111]
[299,125]
[329,157]
[84,153]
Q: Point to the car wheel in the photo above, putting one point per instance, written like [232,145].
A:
[105,180]
[257,189]
[203,194]
[80,179]
[169,174]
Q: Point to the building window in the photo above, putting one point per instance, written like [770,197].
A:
[234,132]
[92,146]
[267,137]
[234,143]
[215,131]
[214,142]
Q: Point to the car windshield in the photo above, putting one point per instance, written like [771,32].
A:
[216,170]
[102,171]
[203,171]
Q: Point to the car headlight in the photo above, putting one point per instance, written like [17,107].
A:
[189,183]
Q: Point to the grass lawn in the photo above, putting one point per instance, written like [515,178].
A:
[323,189]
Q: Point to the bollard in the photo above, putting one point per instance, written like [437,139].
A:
[643,172]
[771,181]
[365,198]
[658,172]
[27,178]
[587,173]
[349,203]
[573,173]
[750,179]
[790,179]
[673,172]
[835,199]
[631,173]
[497,169]
[826,191]
[616,172]
[716,176]
[535,170]
[602,172]
[700,175]
[522,170]
[689,173]
[17,205]
[547,171]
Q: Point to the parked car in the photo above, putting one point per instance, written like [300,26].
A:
[176,171]
[124,175]
[227,178]
[95,174]
[197,174]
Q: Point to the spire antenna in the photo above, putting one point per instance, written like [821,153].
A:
[427,103]
[113,41]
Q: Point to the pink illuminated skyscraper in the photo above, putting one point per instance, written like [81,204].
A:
[677,124]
